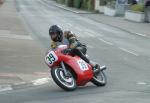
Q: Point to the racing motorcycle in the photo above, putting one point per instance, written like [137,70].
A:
[69,72]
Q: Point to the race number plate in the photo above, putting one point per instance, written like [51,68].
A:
[83,65]
[51,57]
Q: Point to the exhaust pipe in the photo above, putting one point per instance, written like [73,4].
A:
[103,68]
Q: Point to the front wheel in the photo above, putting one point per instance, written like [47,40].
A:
[67,83]
[99,79]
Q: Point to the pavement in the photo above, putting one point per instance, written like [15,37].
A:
[135,28]
[21,57]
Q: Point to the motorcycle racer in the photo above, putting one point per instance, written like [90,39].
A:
[75,46]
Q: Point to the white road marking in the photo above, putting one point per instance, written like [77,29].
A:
[109,43]
[20,83]
[141,34]
[141,83]
[14,36]
[40,81]
[5,88]
[128,51]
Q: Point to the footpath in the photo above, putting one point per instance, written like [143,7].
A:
[21,57]
[141,29]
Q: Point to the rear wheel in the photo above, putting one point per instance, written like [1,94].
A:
[99,79]
[67,83]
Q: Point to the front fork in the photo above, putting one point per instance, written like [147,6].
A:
[64,69]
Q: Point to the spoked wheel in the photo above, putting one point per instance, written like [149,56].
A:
[99,79]
[67,83]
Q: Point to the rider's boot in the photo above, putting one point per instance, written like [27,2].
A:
[95,67]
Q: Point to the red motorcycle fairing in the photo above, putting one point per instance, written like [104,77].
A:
[83,70]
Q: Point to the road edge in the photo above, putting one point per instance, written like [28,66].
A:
[21,85]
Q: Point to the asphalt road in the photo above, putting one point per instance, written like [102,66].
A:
[127,57]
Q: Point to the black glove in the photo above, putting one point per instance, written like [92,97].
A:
[66,51]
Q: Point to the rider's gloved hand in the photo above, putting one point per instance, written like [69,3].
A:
[66,51]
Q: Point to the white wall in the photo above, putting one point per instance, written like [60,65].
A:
[97,4]
[98,7]
[134,16]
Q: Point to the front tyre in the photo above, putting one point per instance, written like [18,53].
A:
[67,83]
[99,79]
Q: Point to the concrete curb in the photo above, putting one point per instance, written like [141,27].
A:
[68,8]
[21,85]
[134,33]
